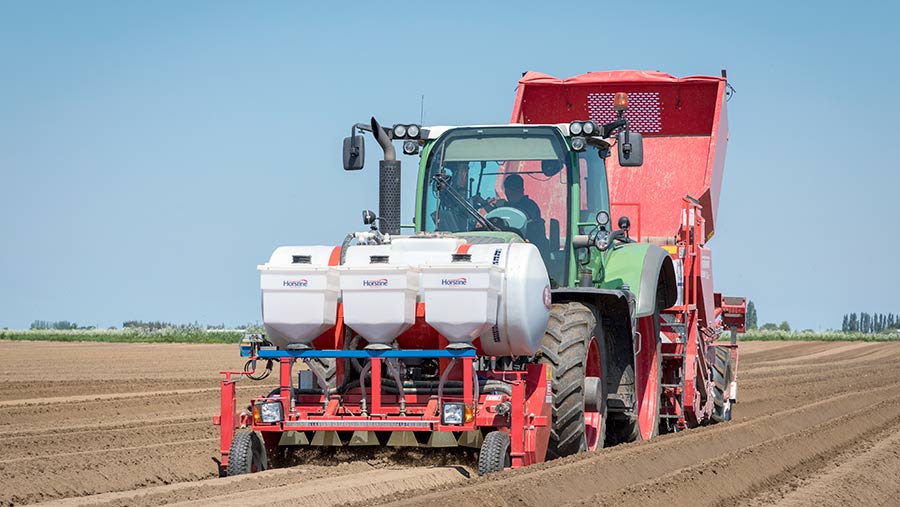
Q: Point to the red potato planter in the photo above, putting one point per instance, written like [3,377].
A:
[514,320]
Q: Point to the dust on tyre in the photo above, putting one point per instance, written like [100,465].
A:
[494,455]
[572,347]
[247,454]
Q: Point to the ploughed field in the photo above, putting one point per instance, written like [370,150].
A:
[130,424]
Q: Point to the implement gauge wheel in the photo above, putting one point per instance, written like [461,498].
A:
[722,377]
[574,348]
[247,454]
[494,454]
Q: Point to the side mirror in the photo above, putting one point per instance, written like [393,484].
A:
[368,217]
[354,153]
[631,148]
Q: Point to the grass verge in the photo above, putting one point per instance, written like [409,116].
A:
[824,336]
[213,336]
[126,336]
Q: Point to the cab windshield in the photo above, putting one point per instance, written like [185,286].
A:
[512,179]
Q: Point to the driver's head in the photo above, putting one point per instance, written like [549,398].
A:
[513,187]
[460,174]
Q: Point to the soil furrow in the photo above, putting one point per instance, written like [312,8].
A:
[130,425]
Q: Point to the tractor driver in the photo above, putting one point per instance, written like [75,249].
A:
[514,189]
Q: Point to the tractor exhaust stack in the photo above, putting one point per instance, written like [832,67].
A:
[388,183]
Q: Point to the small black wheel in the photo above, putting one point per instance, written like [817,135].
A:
[247,454]
[722,377]
[494,455]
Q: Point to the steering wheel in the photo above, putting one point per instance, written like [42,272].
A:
[514,218]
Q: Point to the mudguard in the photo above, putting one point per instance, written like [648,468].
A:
[643,268]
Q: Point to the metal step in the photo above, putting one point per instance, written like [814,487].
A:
[673,385]
[669,416]
[669,354]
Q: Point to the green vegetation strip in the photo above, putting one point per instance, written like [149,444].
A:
[214,336]
[825,336]
[126,336]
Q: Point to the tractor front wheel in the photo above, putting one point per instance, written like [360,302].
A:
[572,347]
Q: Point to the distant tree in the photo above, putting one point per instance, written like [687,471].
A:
[845,326]
[784,326]
[768,326]
[751,315]
[853,323]
[40,324]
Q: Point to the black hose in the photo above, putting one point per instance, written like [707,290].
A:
[250,366]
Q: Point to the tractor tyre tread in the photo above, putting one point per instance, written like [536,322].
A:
[564,348]
[723,376]
[245,448]
[494,454]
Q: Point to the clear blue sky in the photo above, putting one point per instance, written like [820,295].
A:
[153,153]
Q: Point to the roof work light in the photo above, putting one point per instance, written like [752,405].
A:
[400,131]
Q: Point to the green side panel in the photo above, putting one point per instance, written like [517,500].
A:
[420,185]
[624,266]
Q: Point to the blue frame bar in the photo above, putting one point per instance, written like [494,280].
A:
[358,354]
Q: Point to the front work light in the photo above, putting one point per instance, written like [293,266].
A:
[575,128]
[268,412]
[602,218]
[456,413]
[399,131]
[410,147]
[590,128]
[578,143]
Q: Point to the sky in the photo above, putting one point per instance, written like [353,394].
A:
[152,154]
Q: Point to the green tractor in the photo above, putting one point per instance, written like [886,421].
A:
[547,185]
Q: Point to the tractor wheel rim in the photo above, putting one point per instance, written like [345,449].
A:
[593,420]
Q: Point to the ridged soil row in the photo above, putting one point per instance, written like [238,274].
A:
[607,476]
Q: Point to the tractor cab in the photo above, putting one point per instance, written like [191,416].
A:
[542,184]
[506,179]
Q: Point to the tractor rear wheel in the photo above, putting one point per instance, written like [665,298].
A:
[628,429]
[327,367]
[494,455]
[247,454]
[572,347]
[722,377]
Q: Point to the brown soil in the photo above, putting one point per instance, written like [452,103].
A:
[130,424]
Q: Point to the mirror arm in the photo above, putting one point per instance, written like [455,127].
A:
[354,148]
[609,128]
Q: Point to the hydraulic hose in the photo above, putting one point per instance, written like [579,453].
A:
[362,386]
